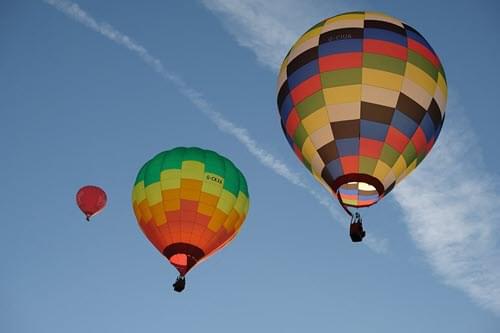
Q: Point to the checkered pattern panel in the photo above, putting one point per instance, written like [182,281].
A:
[190,196]
[361,93]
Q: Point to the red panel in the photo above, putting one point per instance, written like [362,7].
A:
[292,123]
[385,48]
[423,51]
[419,140]
[306,88]
[396,139]
[188,216]
[350,164]
[340,61]
[370,148]
[202,219]
[189,205]
[173,216]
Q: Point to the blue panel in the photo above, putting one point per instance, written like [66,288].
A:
[373,130]
[335,169]
[418,38]
[286,107]
[428,127]
[386,35]
[341,46]
[347,147]
[303,73]
[348,191]
[367,197]
[288,138]
[404,123]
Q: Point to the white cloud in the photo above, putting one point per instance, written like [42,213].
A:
[269,28]
[451,207]
[74,11]
[449,203]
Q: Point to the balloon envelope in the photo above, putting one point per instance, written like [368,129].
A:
[91,200]
[361,98]
[189,202]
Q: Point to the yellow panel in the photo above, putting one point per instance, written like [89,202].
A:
[239,205]
[381,170]
[408,170]
[192,170]
[231,220]
[205,209]
[343,17]
[382,79]
[153,193]
[212,187]
[389,179]
[317,164]
[308,150]
[170,179]
[316,120]
[226,201]
[399,167]
[343,94]
[172,205]
[138,193]
[158,214]
[216,221]
[421,78]
[442,85]
[308,35]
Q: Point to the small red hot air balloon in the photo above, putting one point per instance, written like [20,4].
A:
[91,200]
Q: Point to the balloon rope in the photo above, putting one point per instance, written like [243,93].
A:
[343,206]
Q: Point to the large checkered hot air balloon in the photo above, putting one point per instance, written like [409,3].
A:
[189,203]
[361,98]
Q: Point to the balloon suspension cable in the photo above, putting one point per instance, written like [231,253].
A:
[87,217]
[344,206]
[180,283]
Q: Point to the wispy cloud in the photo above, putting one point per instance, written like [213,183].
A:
[449,203]
[451,208]
[242,135]
[269,28]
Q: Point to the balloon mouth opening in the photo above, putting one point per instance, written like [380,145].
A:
[183,256]
[358,190]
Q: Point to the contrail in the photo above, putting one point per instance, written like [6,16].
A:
[74,11]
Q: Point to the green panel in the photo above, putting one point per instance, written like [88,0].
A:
[173,158]
[389,155]
[422,63]
[409,154]
[214,163]
[342,77]
[310,104]
[243,185]
[307,165]
[194,154]
[300,136]
[153,170]
[441,70]
[140,175]
[384,63]
[231,178]
[367,165]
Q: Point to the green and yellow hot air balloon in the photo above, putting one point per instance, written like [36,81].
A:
[189,202]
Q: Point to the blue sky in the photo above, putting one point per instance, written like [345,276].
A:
[90,93]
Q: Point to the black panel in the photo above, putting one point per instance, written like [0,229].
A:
[435,113]
[345,129]
[328,152]
[338,34]
[377,113]
[410,108]
[282,94]
[386,26]
[302,59]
